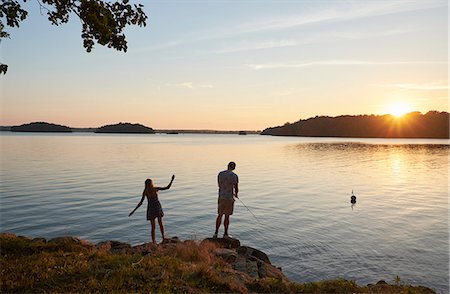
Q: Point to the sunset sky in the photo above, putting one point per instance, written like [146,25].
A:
[232,65]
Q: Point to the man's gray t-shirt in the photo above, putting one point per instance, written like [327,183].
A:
[227,180]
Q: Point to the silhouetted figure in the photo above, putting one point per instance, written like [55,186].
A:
[154,209]
[228,189]
[353,198]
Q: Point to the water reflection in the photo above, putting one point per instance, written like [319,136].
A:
[297,187]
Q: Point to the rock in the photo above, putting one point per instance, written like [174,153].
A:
[24,238]
[114,246]
[39,240]
[65,240]
[252,269]
[229,255]
[252,252]
[104,245]
[247,266]
[382,282]
[8,235]
[174,240]
[144,249]
[225,242]
[268,271]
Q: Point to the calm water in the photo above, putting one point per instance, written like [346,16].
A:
[299,188]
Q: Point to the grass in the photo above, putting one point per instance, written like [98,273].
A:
[187,267]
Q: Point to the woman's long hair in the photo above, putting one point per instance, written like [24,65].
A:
[148,186]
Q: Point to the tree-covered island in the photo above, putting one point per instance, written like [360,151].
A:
[125,128]
[41,127]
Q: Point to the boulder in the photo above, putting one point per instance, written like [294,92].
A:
[38,240]
[114,246]
[144,249]
[245,259]
[268,271]
[65,240]
[229,255]
[173,240]
[252,252]
[247,266]
[225,242]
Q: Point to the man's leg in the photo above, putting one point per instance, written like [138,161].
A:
[226,223]
[218,222]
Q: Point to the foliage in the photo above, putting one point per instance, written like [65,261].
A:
[125,128]
[70,265]
[102,22]
[41,127]
[433,124]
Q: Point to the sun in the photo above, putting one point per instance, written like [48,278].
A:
[399,109]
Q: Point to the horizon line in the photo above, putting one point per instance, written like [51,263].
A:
[217,130]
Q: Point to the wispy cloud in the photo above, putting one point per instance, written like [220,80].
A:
[250,46]
[433,86]
[334,63]
[351,11]
[188,85]
[368,34]
[323,37]
[340,12]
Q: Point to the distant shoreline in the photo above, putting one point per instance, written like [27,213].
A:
[170,132]
[432,125]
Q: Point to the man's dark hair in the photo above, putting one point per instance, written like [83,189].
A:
[231,165]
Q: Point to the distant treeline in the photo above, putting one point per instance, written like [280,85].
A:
[49,127]
[121,128]
[125,128]
[433,124]
[41,127]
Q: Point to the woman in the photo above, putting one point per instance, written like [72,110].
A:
[154,209]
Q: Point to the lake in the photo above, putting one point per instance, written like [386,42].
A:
[299,189]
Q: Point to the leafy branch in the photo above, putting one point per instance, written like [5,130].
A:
[102,22]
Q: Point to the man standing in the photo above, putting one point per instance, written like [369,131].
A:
[228,187]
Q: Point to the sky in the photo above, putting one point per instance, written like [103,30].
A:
[231,65]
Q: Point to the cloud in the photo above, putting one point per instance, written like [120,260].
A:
[334,63]
[323,37]
[433,86]
[188,85]
[339,13]
[354,10]
[250,46]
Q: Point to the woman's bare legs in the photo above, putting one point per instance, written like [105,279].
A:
[161,227]
[152,221]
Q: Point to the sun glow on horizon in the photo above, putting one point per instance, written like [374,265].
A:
[399,109]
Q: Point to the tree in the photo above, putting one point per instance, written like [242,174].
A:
[102,22]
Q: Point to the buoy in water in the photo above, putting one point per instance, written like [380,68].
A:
[353,198]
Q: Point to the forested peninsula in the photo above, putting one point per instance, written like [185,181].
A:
[433,124]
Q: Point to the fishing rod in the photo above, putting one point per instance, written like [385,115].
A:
[249,211]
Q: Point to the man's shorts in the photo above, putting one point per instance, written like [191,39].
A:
[225,206]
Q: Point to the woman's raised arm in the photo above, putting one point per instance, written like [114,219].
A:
[168,186]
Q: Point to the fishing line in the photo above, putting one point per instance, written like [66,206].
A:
[249,210]
[264,238]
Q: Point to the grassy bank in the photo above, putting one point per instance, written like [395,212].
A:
[72,265]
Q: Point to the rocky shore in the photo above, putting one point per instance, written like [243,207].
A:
[68,264]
